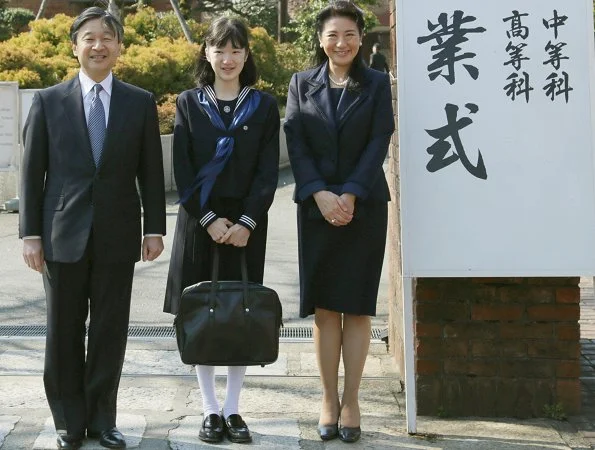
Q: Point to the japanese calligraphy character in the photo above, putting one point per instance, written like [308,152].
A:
[555,23]
[447,50]
[558,85]
[516,27]
[518,86]
[555,54]
[441,147]
[516,55]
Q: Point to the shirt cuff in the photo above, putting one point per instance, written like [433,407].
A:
[247,222]
[208,219]
[153,235]
[31,237]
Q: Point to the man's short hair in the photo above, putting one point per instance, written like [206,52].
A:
[96,12]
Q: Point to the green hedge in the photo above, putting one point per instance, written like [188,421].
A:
[13,21]
[155,57]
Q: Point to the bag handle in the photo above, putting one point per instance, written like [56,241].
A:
[215,274]
[215,268]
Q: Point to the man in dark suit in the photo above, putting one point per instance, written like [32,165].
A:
[378,60]
[87,143]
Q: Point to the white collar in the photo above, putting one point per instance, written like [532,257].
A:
[210,91]
[87,83]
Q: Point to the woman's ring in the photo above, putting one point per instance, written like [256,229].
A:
[333,220]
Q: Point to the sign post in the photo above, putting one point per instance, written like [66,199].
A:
[497,142]
[9,155]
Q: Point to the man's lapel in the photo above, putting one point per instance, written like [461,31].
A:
[115,122]
[75,111]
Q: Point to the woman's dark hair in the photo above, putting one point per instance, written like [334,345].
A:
[220,32]
[96,12]
[349,10]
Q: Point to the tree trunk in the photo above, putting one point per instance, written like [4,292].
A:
[41,10]
[281,20]
[113,9]
[176,7]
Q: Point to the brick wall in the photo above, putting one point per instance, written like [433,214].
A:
[73,8]
[497,346]
[52,7]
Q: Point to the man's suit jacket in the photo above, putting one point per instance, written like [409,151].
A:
[340,150]
[65,197]
[378,62]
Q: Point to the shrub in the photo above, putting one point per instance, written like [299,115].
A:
[164,67]
[155,57]
[275,62]
[147,25]
[24,54]
[55,31]
[13,57]
[27,78]
[166,111]
[14,21]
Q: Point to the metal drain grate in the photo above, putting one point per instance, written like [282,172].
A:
[287,333]
[151,332]
[22,330]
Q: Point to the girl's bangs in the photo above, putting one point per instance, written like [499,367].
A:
[231,34]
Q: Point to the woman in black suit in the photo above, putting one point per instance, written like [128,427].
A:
[226,163]
[338,123]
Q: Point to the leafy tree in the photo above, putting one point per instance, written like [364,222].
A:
[147,25]
[17,19]
[194,7]
[303,26]
[4,31]
[258,13]
[13,20]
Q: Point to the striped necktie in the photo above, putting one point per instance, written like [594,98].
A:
[96,124]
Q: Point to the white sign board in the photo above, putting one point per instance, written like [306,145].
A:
[496,137]
[26,99]
[8,123]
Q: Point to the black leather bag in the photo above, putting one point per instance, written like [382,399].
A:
[228,323]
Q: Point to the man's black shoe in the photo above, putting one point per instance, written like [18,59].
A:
[110,438]
[69,442]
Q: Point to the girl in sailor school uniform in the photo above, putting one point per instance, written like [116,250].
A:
[226,159]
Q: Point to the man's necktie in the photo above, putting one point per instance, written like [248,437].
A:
[96,124]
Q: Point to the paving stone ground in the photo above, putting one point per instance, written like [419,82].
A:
[160,407]
[159,400]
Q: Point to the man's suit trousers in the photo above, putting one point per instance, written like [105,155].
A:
[82,391]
